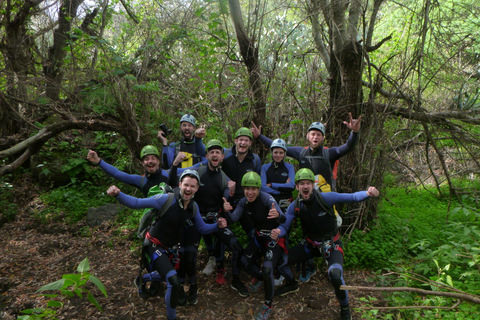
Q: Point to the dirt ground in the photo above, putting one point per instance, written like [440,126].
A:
[34,254]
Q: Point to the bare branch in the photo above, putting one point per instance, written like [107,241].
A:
[462,296]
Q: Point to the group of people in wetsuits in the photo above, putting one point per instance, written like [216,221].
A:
[218,187]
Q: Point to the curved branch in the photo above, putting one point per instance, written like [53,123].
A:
[462,296]
[33,144]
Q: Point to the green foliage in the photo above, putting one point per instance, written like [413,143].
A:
[9,207]
[72,201]
[427,246]
[69,286]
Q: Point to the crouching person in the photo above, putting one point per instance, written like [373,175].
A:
[319,225]
[265,215]
[164,236]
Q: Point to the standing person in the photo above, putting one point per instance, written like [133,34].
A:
[154,175]
[238,161]
[320,230]
[190,143]
[320,159]
[165,234]
[266,215]
[278,176]
[214,187]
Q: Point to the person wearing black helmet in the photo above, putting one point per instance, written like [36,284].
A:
[165,234]
[153,176]
[320,230]
[266,215]
[191,144]
[320,159]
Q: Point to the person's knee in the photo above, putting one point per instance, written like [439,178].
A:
[335,275]
[266,273]
[174,282]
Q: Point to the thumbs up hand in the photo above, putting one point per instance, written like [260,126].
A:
[226,205]
[273,213]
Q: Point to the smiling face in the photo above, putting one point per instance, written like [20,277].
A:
[278,154]
[315,138]
[188,187]
[251,193]
[151,163]
[215,158]
[305,189]
[187,129]
[242,144]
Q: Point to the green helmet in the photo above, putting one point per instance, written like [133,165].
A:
[149,149]
[251,179]
[243,131]
[214,143]
[304,174]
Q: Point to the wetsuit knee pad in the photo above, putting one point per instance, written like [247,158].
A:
[335,275]
[266,272]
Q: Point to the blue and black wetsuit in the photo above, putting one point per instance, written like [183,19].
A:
[277,175]
[144,183]
[235,170]
[274,252]
[195,147]
[314,160]
[165,234]
[321,235]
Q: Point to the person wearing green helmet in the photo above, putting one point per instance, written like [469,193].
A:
[164,236]
[153,176]
[321,160]
[215,185]
[238,161]
[265,215]
[191,144]
[320,231]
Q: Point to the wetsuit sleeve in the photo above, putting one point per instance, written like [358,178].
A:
[194,167]
[173,177]
[237,213]
[201,226]
[258,163]
[294,152]
[290,216]
[132,179]
[200,148]
[338,152]
[266,141]
[286,186]
[332,198]
[263,175]
[168,154]
[156,201]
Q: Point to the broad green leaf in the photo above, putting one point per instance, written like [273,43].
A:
[98,283]
[84,266]
[57,285]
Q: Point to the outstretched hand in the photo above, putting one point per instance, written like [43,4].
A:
[256,131]
[113,191]
[372,192]
[354,124]
[93,157]
[227,207]
[273,213]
